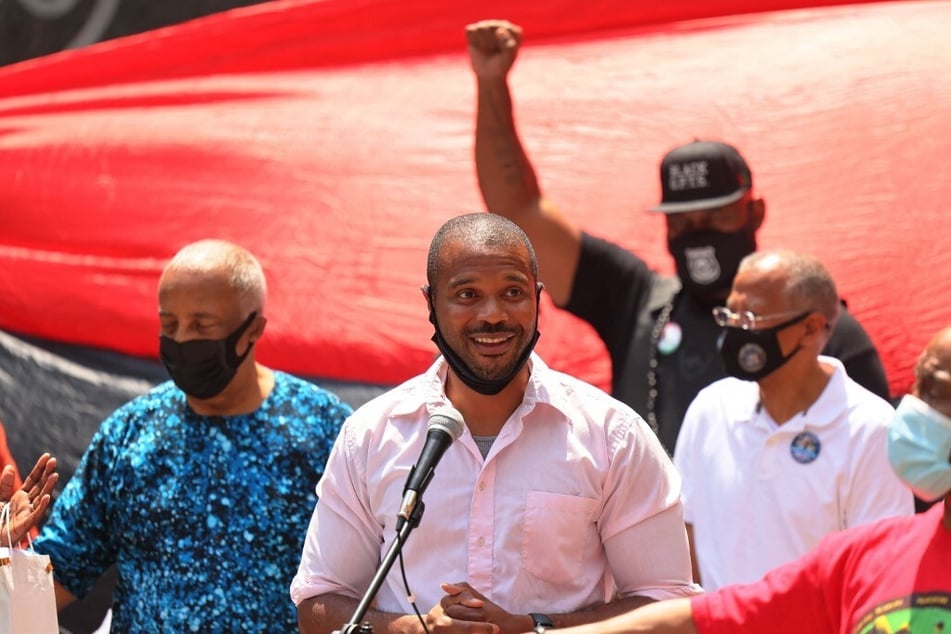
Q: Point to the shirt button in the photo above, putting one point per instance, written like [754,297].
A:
[480,542]
[482,486]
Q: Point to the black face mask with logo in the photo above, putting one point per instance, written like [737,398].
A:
[754,354]
[707,261]
[203,368]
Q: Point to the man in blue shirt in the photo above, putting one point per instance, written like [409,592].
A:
[199,491]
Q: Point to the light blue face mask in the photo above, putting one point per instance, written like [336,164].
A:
[919,446]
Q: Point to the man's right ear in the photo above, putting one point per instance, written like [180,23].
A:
[757,213]
[427,293]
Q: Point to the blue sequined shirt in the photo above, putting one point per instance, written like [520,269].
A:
[204,516]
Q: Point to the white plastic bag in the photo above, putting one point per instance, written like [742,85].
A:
[27,599]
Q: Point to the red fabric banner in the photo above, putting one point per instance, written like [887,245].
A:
[332,138]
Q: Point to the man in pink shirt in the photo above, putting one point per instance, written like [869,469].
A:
[556,506]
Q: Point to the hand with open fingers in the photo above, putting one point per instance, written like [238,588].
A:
[41,479]
[23,516]
[493,45]
[28,504]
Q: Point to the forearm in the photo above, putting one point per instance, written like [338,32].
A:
[596,614]
[674,616]
[331,612]
[506,178]
[510,188]
[63,596]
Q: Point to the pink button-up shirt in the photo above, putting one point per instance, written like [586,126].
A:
[575,501]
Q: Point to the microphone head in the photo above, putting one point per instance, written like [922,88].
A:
[447,419]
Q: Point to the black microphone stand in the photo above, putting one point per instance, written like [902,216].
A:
[354,625]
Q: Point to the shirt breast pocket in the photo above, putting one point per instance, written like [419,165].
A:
[558,531]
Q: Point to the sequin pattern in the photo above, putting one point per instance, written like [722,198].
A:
[204,516]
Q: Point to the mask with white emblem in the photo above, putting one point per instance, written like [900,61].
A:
[753,354]
[707,261]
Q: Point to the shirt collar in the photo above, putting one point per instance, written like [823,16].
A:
[833,400]
[428,390]
[825,411]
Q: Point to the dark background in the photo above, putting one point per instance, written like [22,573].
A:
[32,28]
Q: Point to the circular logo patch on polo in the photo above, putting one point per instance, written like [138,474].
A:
[805,447]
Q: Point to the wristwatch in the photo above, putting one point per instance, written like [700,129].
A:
[542,622]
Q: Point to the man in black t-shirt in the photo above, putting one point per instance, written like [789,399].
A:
[658,330]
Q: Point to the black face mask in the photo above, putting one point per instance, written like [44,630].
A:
[489,387]
[707,261]
[203,368]
[753,354]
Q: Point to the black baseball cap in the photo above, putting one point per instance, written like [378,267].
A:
[702,175]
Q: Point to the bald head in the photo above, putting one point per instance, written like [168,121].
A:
[933,372]
[806,283]
[478,231]
[232,264]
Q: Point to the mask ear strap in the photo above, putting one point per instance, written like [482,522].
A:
[791,322]
[243,327]
[232,342]
[247,322]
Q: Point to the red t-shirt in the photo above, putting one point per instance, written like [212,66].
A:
[6,457]
[887,577]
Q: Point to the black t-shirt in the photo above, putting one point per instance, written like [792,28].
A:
[616,292]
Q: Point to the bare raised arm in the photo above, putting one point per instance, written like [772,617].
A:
[506,177]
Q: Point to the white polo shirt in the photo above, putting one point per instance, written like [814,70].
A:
[760,494]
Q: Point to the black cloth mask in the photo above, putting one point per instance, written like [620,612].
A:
[489,387]
[753,354]
[707,261]
[203,368]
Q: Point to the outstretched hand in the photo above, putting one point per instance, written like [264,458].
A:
[27,505]
[493,45]
[23,517]
[41,479]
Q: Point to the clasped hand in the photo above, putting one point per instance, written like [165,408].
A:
[462,608]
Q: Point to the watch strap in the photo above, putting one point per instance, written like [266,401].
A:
[542,622]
